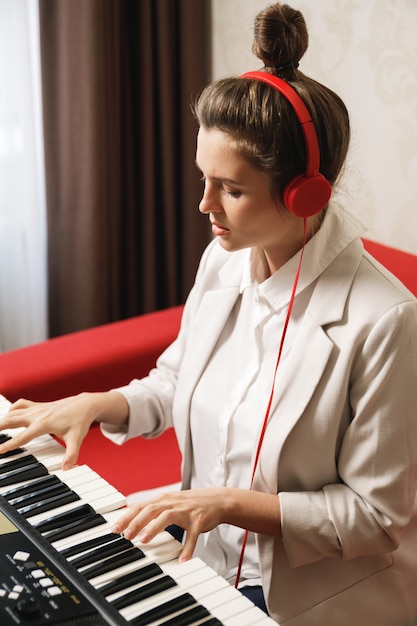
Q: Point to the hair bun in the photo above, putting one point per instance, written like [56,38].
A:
[280,38]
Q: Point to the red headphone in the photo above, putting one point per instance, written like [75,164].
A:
[307,194]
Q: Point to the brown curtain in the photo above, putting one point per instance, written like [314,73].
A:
[124,231]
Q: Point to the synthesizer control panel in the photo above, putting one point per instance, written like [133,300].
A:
[34,590]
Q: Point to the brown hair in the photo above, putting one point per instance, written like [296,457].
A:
[260,119]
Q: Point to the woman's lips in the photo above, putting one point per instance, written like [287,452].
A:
[219,230]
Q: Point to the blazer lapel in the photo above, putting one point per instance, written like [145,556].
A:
[211,316]
[307,360]
[208,323]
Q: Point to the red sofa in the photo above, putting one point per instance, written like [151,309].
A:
[113,354]
[95,360]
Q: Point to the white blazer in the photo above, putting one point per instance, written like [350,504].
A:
[341,444]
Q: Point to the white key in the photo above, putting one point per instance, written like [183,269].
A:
[252,617]
[4,405]
[225,606]
[91,486]
[76,476]
[95,490]
[163,553]
[184,569]
[52,462]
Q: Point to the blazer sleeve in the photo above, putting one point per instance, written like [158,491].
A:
[367,509]
[150,399]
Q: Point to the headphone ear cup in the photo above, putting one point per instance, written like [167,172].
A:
[307,195]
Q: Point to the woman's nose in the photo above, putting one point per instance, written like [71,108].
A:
[209,202]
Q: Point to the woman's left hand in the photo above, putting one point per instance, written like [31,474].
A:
[196,511]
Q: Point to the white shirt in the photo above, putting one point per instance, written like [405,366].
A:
[229,403]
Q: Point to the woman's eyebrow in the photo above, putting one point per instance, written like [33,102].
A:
[221,179]
[230,181]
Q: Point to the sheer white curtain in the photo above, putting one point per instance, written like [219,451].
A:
[23,317]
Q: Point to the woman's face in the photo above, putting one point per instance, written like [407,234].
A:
[241,207]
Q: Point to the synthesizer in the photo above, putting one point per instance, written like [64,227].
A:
[61,565]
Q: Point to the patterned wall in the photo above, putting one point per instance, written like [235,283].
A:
[366,50]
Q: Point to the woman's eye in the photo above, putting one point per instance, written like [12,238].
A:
[232,194]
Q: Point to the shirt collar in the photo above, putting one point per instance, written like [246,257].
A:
[337,230]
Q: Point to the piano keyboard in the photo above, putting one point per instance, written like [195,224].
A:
[58,524]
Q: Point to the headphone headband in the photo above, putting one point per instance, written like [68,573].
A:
[308,193]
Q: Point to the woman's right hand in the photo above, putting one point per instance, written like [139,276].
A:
[68,419]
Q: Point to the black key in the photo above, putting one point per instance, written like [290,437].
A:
[91,520]
[4,437]
[101,540]
[23,474]
[57,521]
[191,616]
[49,504]
[10,466]
[151,589]
[129,556]
[140,575]
[11,453]
[40,483]
[117,546]
[37,494]
[164,610]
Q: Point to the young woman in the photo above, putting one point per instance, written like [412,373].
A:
[292,385]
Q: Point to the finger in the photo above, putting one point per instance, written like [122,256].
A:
[146,534]
[147,523]
[15,418]
[124,520]
[70,457]
[22,403]
[152,528]
[20,439]
[189,546]
[73,443]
